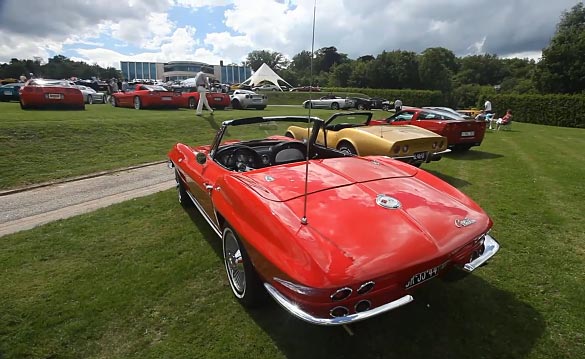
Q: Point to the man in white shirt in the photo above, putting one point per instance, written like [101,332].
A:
[397,105]
[487,106]
[202,81]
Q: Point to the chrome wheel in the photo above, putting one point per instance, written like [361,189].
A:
[137,103]
[335,106]
[234,263]
[347,148]
[192,104]
[89,99]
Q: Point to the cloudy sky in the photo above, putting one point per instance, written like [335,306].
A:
[109,31]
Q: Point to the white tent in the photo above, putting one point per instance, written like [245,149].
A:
[264,74]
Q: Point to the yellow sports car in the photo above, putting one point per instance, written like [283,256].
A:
[351,133]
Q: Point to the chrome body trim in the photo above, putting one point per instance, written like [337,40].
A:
[293,309]
[491,247]
[204,214]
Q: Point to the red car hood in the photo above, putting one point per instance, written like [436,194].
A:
[349,236]
[282,183]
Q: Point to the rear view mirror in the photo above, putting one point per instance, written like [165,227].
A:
[201,158]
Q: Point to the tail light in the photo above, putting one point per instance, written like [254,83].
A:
[434,145]
[396,149]
[339,312]
[341,294]
[366,287]
[362,306]
[405,148]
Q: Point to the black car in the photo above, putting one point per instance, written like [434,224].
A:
[9,92]
[361,103]
[380,103]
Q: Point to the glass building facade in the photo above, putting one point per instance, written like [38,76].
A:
[232,74]
[181,70]
[139,70]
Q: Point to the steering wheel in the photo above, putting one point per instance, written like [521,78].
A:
[298,152]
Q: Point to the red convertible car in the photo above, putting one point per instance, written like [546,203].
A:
[38,93]
[334,238]
[147,96]
[217,100]
[461,134]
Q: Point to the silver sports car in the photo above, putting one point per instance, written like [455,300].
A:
[91,96]
[330,101]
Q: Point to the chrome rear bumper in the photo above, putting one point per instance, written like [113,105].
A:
[491,247]
[299,313]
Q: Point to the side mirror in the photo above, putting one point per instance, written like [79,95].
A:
[201,158]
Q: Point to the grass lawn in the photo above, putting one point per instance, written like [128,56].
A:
[144,279]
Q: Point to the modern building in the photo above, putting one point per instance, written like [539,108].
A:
[181,70]
[141,70]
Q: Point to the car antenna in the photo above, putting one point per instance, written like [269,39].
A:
[304,219]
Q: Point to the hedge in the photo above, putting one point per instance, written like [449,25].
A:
[553,110]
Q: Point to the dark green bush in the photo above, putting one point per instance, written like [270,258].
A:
[553,110]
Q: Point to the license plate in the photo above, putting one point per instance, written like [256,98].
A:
[217,99]
[8,93]
[468,134]
[424,276]
[55,96]
[420,155]
[167,98]
[256,100]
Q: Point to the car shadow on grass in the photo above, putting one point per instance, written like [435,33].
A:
[472,155]
[467,319]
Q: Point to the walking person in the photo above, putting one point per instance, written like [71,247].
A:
[487,106]
[397,105]
[202,81]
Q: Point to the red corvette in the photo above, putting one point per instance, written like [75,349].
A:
[50,93]
[333,238]
[461,134]
[147,96]
[217,100]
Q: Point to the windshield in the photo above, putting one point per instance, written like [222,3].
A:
[154,88]
[258,129]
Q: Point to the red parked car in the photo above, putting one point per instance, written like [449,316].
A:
[147,96]
[461,133]
[37,93]
[217,100]
[332,237]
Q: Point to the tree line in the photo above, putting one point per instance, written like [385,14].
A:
[560,70]
[58,67]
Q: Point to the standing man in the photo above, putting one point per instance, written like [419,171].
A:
[397,105]
[202,81]
[487,106]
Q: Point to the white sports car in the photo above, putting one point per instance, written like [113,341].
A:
[329,101]
[242,99]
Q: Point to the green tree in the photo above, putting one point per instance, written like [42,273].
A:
[482,70]
[395,69]
[562,68]
[340,75]
[275,60]
[436,68]
[326,57]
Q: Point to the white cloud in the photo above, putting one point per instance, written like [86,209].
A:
[202,3]
[501,27]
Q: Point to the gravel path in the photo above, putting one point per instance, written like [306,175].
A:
[28,208]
